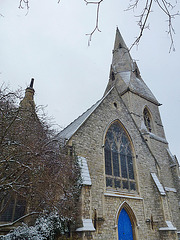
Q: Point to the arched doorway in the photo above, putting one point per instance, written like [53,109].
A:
[125,230]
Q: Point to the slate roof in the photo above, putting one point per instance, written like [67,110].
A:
[137,85]
[69,131]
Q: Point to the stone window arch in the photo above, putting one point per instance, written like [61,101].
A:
[119,166]
[147,119]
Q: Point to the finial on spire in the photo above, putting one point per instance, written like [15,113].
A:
[32,82]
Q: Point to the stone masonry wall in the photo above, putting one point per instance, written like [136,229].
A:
[136,106]
[146,202]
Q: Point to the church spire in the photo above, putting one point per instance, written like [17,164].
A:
[122,60]
[124,72]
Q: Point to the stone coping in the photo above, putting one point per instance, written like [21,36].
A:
[169,227]
[87,226]
[115,194]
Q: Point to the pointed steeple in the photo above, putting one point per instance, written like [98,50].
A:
[28,100]
[119,41]
[125,74]
[122,60]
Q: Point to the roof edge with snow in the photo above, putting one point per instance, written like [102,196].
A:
[87,226]
[70,130]
[86,179]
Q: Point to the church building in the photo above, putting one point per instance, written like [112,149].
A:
[131,181]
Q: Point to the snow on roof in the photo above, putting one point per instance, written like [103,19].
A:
[137,85]
[67,132]
[86,179]
[126,76]
[87,226]
[153,136]
[73,127]
[169,227]
[170,189]
[158,184]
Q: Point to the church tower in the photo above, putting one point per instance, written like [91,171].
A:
[130,179]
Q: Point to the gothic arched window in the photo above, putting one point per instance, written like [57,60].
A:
[119,168]
[12,208]
[147,119]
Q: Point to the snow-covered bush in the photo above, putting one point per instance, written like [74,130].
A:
[46,227]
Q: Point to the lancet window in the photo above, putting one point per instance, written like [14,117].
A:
[119,167]
[147,119]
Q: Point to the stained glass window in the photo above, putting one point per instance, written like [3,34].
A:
[119,168]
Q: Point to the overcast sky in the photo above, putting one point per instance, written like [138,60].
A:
[49,44]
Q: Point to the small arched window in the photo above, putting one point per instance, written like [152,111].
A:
[147,119]
[119,168]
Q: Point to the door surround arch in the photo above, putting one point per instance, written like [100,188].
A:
[124,205]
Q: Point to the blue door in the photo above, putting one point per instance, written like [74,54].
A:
[124,226]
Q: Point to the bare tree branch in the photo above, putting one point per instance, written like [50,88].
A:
[166,7]
[24,3]
[18,220]
[97,19]
[143,20]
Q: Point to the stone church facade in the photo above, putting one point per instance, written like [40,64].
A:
[131,181]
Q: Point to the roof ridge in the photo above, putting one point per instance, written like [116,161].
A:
[75,125]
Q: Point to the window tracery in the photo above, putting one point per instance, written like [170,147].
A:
[119,168]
